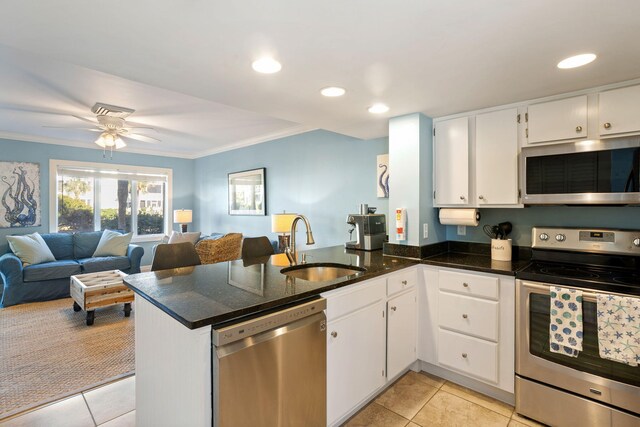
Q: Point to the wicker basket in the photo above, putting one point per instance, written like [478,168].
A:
[226,248]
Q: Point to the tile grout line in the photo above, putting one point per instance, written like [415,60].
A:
[482,406]
[89,408]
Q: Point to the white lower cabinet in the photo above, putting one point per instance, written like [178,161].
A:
[466,324]
[355,359]
[401,332]
[371,338]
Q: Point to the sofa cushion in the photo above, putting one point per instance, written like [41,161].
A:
[91,265]
[113,243]
[61,245]
[30,248]
[85,243]
[51,270]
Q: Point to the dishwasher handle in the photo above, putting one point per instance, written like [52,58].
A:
[251,327]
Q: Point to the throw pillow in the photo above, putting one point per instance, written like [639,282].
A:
[30,248]
[191,237]
[113,243]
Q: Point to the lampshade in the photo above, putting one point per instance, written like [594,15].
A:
[281,223]
[183,216]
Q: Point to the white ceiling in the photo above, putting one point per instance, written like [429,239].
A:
[185,66]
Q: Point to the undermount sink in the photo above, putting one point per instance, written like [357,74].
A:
[321,272]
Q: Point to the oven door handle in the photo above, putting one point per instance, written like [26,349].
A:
[587,295]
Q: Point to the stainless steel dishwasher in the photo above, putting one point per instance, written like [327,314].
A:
[271,370]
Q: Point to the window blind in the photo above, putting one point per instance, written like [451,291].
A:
[84,172]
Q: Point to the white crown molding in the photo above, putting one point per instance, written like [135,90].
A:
[91,146]
[296,130]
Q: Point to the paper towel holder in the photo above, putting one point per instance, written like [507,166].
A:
[466,216]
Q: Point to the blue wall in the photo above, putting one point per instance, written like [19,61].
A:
[560,216]
[19,151]
[320,174]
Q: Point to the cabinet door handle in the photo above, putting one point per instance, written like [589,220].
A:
[578,129]
[607,125]
[462,197]
[334,334]
[481,197]
[464,355]
[404,282]
[394,308]
[464,316]
[465,284]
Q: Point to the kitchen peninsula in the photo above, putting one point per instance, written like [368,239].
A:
[176,311]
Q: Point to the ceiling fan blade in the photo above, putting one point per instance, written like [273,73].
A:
[140,127]
[75,128]
[85,120]
[143,138]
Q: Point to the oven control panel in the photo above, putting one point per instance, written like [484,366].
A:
[626,242]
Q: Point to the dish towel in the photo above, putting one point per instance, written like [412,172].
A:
[619,328]
[565,326]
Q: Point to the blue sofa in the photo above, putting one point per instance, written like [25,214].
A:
[50,280]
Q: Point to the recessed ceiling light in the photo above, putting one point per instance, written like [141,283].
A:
[378,108]
[577,60]
[266,66]
[333,91]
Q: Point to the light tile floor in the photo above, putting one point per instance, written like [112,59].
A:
[111,405]
[423,400]
[415,400]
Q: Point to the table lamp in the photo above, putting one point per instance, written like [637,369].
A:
[183,217]
[281,223]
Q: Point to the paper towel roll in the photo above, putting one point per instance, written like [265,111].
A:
[459,217]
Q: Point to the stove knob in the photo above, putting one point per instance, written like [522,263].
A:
[636,242]
[560,237]
[544,236]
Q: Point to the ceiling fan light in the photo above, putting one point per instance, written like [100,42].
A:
[109,140]
[119,143]
[100,141]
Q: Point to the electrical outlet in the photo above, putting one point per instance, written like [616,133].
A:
[462,230]
[425,230]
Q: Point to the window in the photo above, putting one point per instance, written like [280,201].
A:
[96,196]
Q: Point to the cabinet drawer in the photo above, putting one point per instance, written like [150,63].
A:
[469,355]
[402,280]
[469,315]
[469,284]
[354,297]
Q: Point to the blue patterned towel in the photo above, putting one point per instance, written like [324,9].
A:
[619,328]
[565,326]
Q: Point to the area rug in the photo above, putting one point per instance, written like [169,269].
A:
[47,352]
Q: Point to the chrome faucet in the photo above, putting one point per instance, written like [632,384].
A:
[290,249]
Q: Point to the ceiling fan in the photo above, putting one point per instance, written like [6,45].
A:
[110,122]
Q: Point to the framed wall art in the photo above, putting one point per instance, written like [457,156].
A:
[248,192]
[19,194]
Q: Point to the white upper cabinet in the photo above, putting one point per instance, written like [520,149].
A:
[497,158]
[558,120]
[619,111]
[451,161]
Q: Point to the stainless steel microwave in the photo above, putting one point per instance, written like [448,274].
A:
[594,172]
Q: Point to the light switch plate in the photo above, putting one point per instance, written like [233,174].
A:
[425,230]
[462,230]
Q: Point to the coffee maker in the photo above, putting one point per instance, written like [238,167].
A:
[370,229]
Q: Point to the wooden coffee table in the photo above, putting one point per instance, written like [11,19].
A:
[102,289]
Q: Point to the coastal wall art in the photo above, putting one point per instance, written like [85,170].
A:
[19,194]
[382,175]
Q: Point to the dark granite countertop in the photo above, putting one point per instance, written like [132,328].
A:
[214,294]
[477,262]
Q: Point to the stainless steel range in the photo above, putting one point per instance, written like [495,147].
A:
[582,389]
